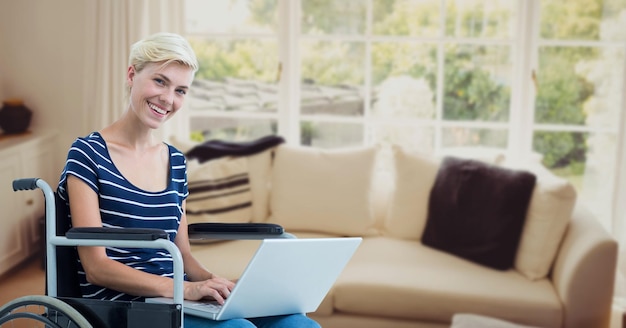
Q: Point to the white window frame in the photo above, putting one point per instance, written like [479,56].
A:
[521,125]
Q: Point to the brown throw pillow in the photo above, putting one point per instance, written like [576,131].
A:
[477,211]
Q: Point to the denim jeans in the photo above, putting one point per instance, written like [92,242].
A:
[282,321]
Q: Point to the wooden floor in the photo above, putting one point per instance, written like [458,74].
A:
[26,279]
[29,279]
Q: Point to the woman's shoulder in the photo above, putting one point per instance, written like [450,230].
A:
[175,154]
[93,138]
[90,145]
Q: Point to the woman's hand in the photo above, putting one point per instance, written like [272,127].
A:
[217,288]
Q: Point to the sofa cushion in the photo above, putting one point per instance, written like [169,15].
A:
[477,211]
[323,190]
[417,282]
[219,191]
[469,320]
[260,168]
[414,176]
[549,213]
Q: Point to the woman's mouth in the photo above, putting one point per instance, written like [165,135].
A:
[157,109]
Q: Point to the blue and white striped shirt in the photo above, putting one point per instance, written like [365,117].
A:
[123,205]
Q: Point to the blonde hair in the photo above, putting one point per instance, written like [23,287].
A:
[162,47]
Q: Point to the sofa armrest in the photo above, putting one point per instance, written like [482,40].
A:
[584,272]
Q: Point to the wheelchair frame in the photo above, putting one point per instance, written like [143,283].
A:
[136,312]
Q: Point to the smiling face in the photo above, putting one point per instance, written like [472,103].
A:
[157,91]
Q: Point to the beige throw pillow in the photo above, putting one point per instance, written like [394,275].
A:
[414,177]
[322,190]
[548,215]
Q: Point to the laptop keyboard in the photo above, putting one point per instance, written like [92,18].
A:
[211,306]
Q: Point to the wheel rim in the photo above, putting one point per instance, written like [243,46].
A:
[48,311]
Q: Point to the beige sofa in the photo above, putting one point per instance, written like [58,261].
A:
[562,277]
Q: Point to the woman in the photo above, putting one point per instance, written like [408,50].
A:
[122,176]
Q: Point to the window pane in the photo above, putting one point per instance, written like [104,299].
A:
[332,85]
[235,75]
[580,86]
[245,59]
[561,90]
[567,153]
[419,18]
[331,135]
[404,78]
[233,129]
[345,17]
[481,18]
[335,100]
[605,73]
[563,152]
[583,20]
[477,83]
[413,138]
[468,137]
[597,185]
[232,16]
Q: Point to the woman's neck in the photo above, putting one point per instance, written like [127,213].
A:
[129,133]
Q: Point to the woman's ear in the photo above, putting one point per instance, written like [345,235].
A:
[130,75]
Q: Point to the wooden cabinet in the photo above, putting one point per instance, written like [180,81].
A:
[29,155]
[12,243]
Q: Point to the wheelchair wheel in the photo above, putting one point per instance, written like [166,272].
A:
[41,311]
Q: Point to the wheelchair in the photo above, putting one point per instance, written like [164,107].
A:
[62,306]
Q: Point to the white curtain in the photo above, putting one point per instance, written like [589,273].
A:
[116,25]
[619,199]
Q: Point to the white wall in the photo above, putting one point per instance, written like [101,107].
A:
[42,61]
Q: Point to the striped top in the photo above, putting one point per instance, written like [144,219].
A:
[123,205]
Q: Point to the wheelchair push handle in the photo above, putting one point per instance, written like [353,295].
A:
[25,184]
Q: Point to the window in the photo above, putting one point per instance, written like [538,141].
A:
[235,93]
[533,77]
[579,95]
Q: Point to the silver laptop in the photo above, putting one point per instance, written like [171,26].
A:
[285,276]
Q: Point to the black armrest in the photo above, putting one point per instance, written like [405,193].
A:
[116,233]
[235,228]
[199,232]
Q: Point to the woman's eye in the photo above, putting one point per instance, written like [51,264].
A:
[159,81]
[181,92]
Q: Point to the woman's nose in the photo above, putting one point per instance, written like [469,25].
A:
[167,96]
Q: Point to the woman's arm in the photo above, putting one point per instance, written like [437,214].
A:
[193,268]
[99,268]
[103,271]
